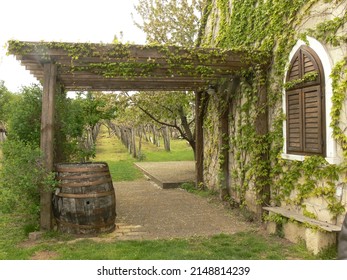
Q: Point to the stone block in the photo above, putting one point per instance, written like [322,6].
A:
[36,235]
[319,207]
[294,232]
[317,240]
[271,227]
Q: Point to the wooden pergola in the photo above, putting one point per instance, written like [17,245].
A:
[118,67]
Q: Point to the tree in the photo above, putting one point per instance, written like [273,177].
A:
[5,98]
[81,119]
[174,22]
[169,109]
[24,115]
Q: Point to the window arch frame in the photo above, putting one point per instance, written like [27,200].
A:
[331,147]
[308,104]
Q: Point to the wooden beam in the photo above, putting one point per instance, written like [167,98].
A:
[226,90]
[47,140]
[169,63]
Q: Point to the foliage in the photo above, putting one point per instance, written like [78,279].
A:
[172,109]
[339,96]
[306,78]
[198,190]
[76,120]
[5,99]
[82,121]
[24,119]
[328,31]
[173,22]
[22,176]
[96,106]
[117,60]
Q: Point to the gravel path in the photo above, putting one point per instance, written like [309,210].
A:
[146,211]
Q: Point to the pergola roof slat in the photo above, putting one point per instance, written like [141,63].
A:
[130,67]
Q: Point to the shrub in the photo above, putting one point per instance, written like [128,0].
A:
[21,177]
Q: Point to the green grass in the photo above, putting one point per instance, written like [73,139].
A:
[239,246]
[12,232]
[191,188]
[1,156]
[121,164]
[180,151]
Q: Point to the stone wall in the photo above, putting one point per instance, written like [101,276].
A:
[306,26]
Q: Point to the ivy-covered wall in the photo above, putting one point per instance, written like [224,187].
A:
[312,187]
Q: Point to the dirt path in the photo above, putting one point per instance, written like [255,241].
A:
[146,211]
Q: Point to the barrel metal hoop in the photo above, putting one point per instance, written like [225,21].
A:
[86,226]
[81,169]
[85,195]
[83,176]
[85,184]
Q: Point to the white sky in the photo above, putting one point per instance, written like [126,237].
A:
[61,20]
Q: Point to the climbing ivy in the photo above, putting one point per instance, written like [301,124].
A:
[270,26]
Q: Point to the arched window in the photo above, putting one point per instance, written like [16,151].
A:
[305,103]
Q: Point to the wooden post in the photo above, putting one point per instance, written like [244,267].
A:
[199,139]
[227,91]
[47,141]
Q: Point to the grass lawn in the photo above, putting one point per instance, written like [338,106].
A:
[240,246]
[120,162]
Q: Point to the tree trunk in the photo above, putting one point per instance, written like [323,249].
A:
[133,142]
[155,139]
[225,107]
[140,143]
[166,138]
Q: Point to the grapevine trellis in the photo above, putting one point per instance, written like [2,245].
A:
[111,67]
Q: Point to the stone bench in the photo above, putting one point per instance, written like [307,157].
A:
[316,234]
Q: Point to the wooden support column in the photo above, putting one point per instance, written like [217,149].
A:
[227,91]
[47,141]
[199,139]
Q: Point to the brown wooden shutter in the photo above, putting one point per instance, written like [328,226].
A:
[294,121]
[305,105]
[312,119]
[295,69]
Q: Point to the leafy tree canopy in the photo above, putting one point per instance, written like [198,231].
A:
[173,22]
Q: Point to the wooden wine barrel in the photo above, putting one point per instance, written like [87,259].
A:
[84,202]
